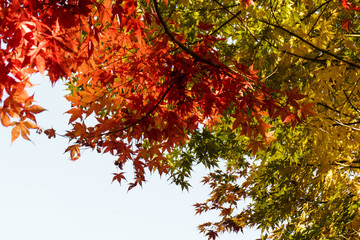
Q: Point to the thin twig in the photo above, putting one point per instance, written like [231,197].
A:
[328,107]
[348,99]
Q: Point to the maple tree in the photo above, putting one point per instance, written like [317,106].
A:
[270,88]
[306,184]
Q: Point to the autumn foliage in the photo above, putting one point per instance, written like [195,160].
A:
[151,82]
[146,89]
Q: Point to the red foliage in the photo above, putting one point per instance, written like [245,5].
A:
[146,95]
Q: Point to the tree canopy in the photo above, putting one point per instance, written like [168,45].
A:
[270,89]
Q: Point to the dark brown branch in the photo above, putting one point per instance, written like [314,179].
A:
[356,167]
[348,124]
[201,10]
[235,15]
[328,107]
[150,111]
[348,99]
[310,44]
[317,8]
[352,91]
[171,36]
[225,23]
[187,50]
[340,164]
[312,28]
[303,57]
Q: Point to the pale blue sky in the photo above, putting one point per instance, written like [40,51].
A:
[45,196]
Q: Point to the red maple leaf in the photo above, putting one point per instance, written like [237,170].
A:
[204,26]
[346,23]
[345,4]
[305,110]
[211,235]
[293,96]
[118,177]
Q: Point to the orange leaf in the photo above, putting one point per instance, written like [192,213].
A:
[15,132]
[76,113]
[36,109]
[40,63]
[269,137]
[29,124]
[5,120]
[306,110]
[24,131]
[74,152]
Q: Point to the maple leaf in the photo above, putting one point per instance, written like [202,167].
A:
[269,137]
[205,26]
[15,132]
[293,96]
[254,146]
[262,127]
[125,64]
[21,128]
[36,109]
[355,8]
[50,133]
[306,110]
[346,23]
[5,120]
[118,177]
[74,151]
[75,114]
[212,235]
[40,63]
[345,4]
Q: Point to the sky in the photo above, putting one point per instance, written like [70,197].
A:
[46,196]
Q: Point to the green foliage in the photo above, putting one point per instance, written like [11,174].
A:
[304,185]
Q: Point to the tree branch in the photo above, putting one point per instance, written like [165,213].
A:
[235,16]
[150,111]
[345,124]
[348,99]
[317,8]
[312,28]
[247,28]
[171,36]
[225,23]
[348,124]
[311,45]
